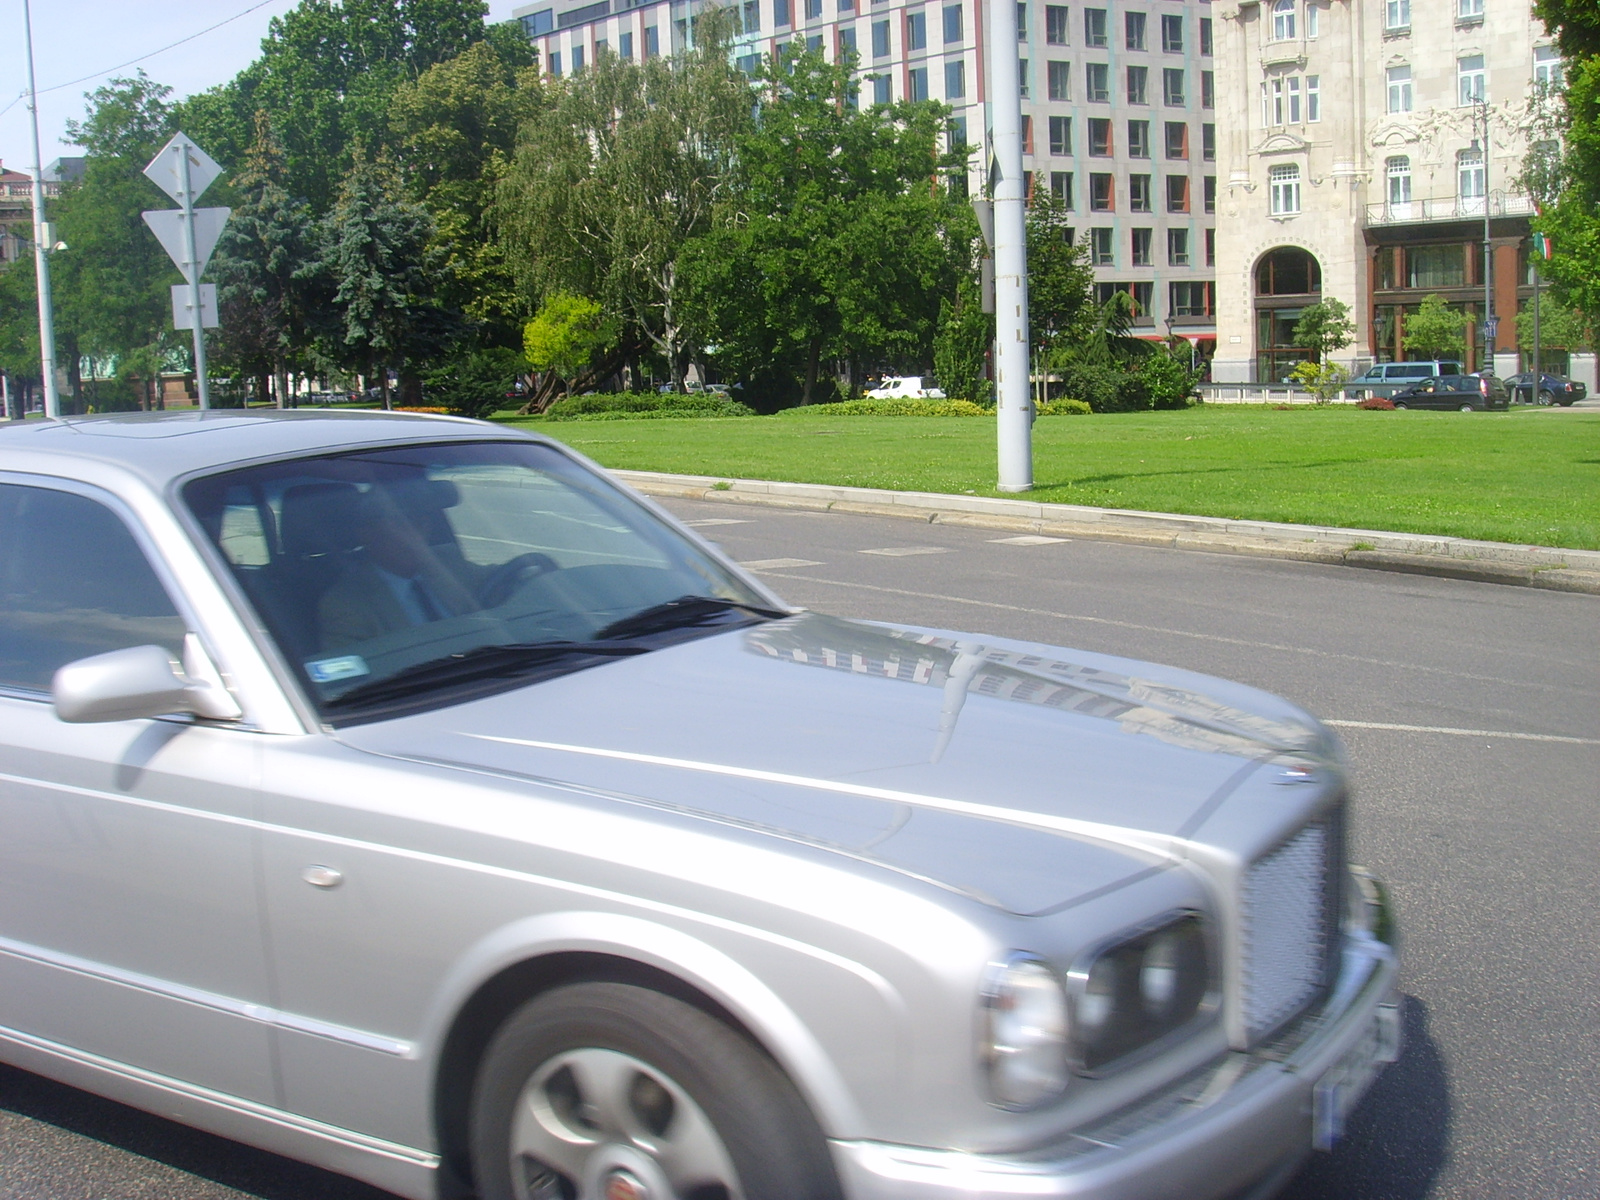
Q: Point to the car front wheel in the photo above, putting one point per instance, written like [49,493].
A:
[1467,408]
[607,1091]
[1401,404]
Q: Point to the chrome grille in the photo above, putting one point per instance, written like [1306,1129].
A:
[1289,925]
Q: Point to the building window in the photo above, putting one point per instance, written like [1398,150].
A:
[882,90]
[1208,190]
[847,6]
[1101,194]
[1177,193]
[555,62]
[1094,27]
[1141,247]
[1142,295]
[1189,298]
[1284,184]
[1283,21]
[1208,142]
[540,22]
[652,42]
[1027,134]
[1172,33]
[1313,21]
[1177,139]
[1177,247]
[1208,89]
[1313,97]
[917,83]
[958,133]
[1205,37]
[1397,14]
[1059,79]
[1133,30]
[880,39]
[813,10]
[602,47]
[1294,99]
[1138,193]
[955,80]
[1102,248]
[1470,79]
[814,43]
[1097,82]
[780,12]
[1061,188]
[916,29]
[1099,137]
[1027,188]
[1547,66]
[1138,139]
[1398,170]
[1022,76]
[1469,167]
[952,23]
[625,46]
[577,59]
[749,64]
[1056,18]
[847,42]
[1060,135]
[1469,10]
[1138,85]
[1172,88]
[1211,247]
[1399,89]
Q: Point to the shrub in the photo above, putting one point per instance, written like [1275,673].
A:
[1063,408]
[618,406]
[1097,386]
[899,407]
[1377,404]
[1168,380]
[473,383]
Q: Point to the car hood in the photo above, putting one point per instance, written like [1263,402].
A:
[1022,775]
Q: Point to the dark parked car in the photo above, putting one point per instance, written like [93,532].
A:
[1553,389]
[1464,392]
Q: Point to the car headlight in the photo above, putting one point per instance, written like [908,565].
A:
[1132,993]
[1025,1037]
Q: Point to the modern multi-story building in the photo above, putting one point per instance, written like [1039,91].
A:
[1117,109]
[1369,150]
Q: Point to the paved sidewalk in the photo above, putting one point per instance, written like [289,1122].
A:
[1459,558]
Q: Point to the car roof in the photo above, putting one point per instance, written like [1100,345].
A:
[164,446]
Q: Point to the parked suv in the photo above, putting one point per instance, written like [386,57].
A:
[1385,379]
[1553,389]
[1464,392]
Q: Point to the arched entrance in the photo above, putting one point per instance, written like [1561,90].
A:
[1287,280]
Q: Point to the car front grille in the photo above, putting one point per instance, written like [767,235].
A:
[1289,924]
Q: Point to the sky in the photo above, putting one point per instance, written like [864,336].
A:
[72,38]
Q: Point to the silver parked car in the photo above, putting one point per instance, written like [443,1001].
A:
[401,794]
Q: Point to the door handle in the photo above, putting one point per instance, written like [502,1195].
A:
[322,877]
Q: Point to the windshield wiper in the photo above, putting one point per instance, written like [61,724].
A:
[683,613]
[485,662]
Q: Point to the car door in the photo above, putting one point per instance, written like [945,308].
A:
[129,922]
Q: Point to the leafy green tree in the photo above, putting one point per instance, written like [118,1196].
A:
[1434,330]
[564,338]
[375,252]
[1061,307]
[1560,327]
[1325,327]
[1323,379]
[473,382]
[616,176]
[834,227]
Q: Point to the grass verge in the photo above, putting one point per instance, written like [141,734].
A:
[1523,476]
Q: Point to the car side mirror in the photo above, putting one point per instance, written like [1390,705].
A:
[126,685]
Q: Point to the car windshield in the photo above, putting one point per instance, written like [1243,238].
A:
[399,578]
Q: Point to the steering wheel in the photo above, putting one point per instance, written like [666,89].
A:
[497,588]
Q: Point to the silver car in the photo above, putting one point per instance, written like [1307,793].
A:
[402,795]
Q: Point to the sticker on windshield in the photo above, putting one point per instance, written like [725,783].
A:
[331,670]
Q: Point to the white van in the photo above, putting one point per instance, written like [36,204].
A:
[906,387]
[1385,379]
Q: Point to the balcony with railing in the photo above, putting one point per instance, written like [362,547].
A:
[1449,208]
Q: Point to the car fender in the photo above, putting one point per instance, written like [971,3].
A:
[696,962]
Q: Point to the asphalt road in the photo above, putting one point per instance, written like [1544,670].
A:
[1472,714]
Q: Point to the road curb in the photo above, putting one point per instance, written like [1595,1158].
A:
[1545,567]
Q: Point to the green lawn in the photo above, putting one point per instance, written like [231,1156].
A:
[1522,476]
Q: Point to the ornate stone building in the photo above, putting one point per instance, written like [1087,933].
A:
[1353,165]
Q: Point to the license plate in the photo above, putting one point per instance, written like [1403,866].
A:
[1341,1087]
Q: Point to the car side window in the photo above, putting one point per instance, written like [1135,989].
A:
[73,582]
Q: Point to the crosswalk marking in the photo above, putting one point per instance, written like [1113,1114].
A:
[1027,539]
[907,551]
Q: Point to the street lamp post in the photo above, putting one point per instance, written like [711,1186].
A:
[1013,403]
[1489,322]
[41,238]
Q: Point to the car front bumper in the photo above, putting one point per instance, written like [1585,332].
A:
[1238,1128]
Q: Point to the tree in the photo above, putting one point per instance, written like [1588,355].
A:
[564,339]
[1560,328]
[473,382]
[376,256]
[1061,307]
[1435,330]
[1325,327]
[1325,380]
[832,243]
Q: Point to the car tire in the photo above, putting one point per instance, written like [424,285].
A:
[595,1091]
[1401,404]
[1468,408]
[1546,398]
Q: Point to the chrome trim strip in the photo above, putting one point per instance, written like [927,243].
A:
[277,1116]
[244,1009]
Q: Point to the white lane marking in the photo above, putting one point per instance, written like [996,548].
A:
[778,564]
[907,551]
[1485,733]
[1160,845]
[715,521]
[1027,539]
[1389,664]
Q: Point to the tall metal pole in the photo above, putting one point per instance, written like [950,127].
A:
[1538,376]
[191,272]
[1013,406]
[41,261]
[1488,263]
